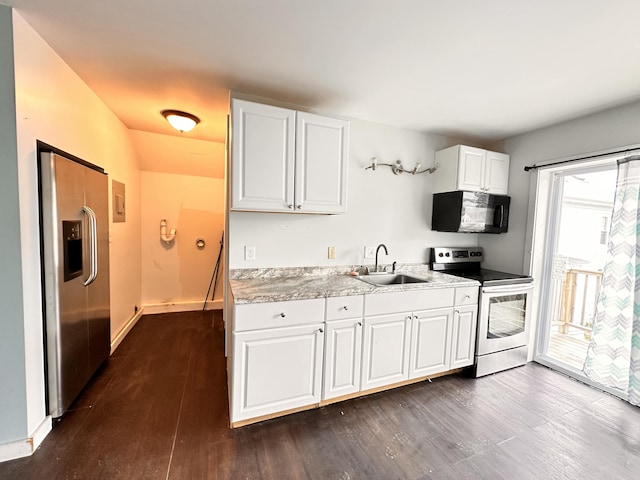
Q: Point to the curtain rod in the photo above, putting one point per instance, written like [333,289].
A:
[534,166]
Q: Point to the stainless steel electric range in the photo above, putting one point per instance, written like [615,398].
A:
[503,308]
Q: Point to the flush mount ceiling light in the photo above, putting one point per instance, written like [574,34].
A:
[181,121]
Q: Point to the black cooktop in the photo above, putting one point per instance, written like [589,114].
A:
[490,277]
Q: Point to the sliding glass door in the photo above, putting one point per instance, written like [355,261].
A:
[578,219]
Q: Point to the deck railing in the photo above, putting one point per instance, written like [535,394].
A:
[579,297]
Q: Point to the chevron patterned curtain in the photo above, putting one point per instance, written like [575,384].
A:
[613,357]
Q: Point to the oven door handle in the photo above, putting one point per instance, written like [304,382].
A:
[513,288]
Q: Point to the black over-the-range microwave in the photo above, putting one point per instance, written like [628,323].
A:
[470,212]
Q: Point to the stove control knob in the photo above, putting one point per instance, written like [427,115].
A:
[447,254]
[441,254]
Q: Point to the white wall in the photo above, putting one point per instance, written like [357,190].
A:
[178,155]
[180,272]
[55,106]
[382,208]
[610,129]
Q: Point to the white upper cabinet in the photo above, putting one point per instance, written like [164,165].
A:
[262,152]
[321,164]
[473,169]
[496,173]
[287,161]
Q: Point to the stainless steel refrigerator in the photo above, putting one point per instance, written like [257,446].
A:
[75,250]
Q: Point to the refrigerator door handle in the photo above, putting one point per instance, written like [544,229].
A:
[93,245]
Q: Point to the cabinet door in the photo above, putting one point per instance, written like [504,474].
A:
[321,164]
[496,174]
[262,157]
[276,369]
[430,342]
[343,357]
[471,168]
[465,320]
[385,350]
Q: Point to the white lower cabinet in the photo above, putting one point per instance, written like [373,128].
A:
[293,354]
[277,357]
[385,352]
[430,342]
[465,321]
[342,358]
[436,336]
[277,370]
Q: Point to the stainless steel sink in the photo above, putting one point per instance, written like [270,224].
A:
[390,279]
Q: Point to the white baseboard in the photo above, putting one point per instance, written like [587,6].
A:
[126,329]
[151,308]
[26,447]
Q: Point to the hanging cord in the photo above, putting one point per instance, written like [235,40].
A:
[214,276]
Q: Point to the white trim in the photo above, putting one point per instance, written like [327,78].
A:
[41,432]
[125,330]
[577,375]
[542,225]
[26,447]
[538,227]
[181,306]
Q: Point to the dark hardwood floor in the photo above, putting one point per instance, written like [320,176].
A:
[158,410]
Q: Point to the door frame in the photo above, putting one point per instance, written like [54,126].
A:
[542,228]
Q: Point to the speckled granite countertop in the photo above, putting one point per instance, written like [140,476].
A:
[273,285]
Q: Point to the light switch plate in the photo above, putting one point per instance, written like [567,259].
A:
[118,203]
[249,252]
[369,252]
[331,253]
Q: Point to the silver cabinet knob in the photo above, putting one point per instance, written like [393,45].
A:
[299,207]
[346,307]
[282,315]
[359,324]
[290,207]
[321,330]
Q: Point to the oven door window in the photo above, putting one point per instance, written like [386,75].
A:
[507,315]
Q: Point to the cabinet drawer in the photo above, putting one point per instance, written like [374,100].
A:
[467,295]
[408,301]
[256,316]
[339,308]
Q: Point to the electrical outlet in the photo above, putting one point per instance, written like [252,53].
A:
[369,252]
[249,252]
[331,253]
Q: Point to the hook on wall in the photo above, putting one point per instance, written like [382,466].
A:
[163,232]
[397,168]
